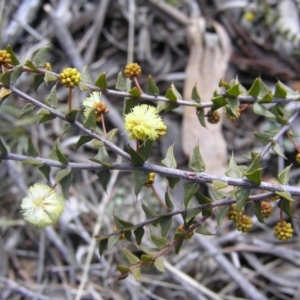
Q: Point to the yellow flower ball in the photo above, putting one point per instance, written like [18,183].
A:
[143,122]
[42,206]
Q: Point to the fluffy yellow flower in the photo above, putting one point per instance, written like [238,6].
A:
[42,206]
[93,102]
[144,123]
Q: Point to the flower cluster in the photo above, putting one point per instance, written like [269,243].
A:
[47,66]
[132,70]
[213,117]
[150,179]
[5,57]
[143,122]
[42,206]
[242,221]
[283,230]
[93,102]
[266,209]
[70,77]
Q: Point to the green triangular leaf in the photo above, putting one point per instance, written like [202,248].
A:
[197,163]
[285,195]
[37,81]
[259,109]
[112,241]
[133,260]
[221,213]
[27,109]
[101,81]
[172,94]
[285,205]
[90,121]
[148,212]
[276,148]
[135,92]
[241,194]
[31,151]
[14,59]
[136,158]
[257,212]
[151,88]
[121,82]
[136,272]
[139,233]
[52,100]
[5,78]
[195,95]
[60,156]
[31,66]
[122,224]
[190,189]
[102,246]
[140,178]
[218,101]
[233,171]
[72,114]
[201,116]
[253,173]
[284,176]
[165,224]
[41,57]
[159,264]
[169,161]
[202,229]
[45,171]
[172,181]
[218,184]
[262,137]
[15,74]
[104,177]
[168,201]
[145,149]
[49,77]
[65,184]
[102,157]
[61,174]
[83,140]
[159,242]
[204,200]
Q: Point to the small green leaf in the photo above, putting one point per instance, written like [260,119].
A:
[127,235]
[61,174]
[159,264]
[197,163]
[37,81]
[133,260]
[90,121]
[253,173]
[102,157]
[52,100]
[217,194]
[101,81]
[15,74]
[31,151]
[61,157]
[65,184]
[83,140]
[72,114]
[14,59]
[166,106]
[204,200]
[276,148]
[139,233]
[27,109]
[233,105]
[104,177]
[172,181]
[218,102]
[257,212]
[145,149]
[202,229]
[129,104]
[124,270]
[218,184]
[112,241]
[151,88]
[111,134]
[258,88]
[195,95]
[5,78]
[169,161]
[285,205]
[122,224]
[148,212]
[136,158]
[136,273]
[146,258]
[159,242]
[46,172]
[284,176]
[234,90]
[241,194]
[190,189]
[46,118]
[189,216]
[285,195]
[41,57]
[31,66]
[282,90]
[178,246]
[85,76]
[4,93]
[201,116]
[135,92]
[121,83]
[172,94]
[102,246]
[262,137]
[165,224]
[140,178]
[221,213]
[49,77]
[168,201]
[259,109]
